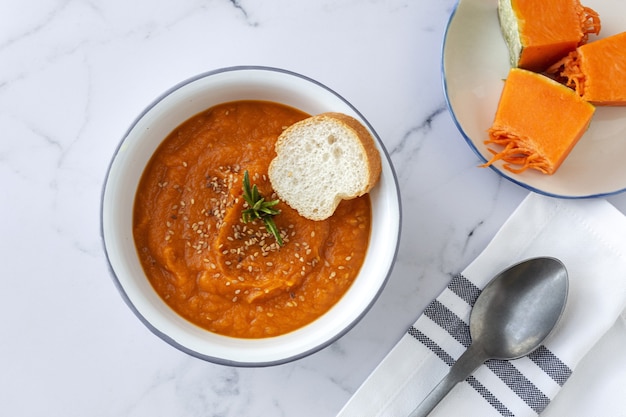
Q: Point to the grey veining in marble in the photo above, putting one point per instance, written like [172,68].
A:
[73,76]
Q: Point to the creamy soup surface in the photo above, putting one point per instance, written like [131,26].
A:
[224,275]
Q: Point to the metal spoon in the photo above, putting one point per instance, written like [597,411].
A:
[512,316]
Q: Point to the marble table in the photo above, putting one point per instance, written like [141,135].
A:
[73,76]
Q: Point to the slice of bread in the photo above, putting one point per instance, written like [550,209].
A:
[322,160]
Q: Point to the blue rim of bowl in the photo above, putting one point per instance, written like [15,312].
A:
[471,144]
[170,340]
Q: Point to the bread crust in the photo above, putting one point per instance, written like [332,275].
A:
[279,168]
[368,143]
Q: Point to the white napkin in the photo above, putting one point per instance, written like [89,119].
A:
[589,237]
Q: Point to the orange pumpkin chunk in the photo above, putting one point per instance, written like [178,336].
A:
[544,31]
[537,123]
[597,70]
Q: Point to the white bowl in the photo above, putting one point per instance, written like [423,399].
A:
[136,148]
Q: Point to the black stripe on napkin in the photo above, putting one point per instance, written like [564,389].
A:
[551,365]
[489,397]
[519,384]
[459,330]
[450,322]
[464,289]
[434,347]
[446,358]
[468,292]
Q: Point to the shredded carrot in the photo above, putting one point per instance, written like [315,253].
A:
[589,23]
[568,68]
[516,152]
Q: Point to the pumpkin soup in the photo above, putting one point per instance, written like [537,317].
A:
[229,276]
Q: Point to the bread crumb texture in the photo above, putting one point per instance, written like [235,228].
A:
[322,160]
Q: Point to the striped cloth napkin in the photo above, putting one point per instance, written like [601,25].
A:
[589,237]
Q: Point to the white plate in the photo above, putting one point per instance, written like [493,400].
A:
[475,63]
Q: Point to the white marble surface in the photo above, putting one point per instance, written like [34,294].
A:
[73,76]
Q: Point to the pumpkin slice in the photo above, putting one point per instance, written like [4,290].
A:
[597,70]
[540,32]
[537,123]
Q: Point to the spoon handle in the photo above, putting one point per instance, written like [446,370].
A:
[467,363]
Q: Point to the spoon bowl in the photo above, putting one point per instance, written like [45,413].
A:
[513,315]
[529,298]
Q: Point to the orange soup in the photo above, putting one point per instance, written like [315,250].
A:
[222,274]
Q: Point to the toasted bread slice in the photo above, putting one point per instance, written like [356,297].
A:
[322,160]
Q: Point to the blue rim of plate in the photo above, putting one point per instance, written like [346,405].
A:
[470,142]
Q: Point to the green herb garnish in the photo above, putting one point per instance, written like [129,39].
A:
[258,208]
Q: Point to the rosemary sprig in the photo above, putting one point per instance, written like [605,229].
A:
[258,208]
